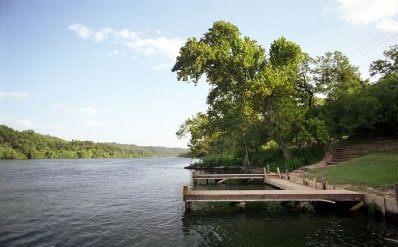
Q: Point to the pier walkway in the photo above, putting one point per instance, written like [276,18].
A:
[288,191]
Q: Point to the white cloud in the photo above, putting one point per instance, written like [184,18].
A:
[102,34]
[388,25]
[81,30]
[63,107]
[94,124]
[88,110]
[126,34]
[168,47]
[365,12]
[113,53]
[15,95]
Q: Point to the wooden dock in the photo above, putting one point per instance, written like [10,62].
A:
[289,191]
[221,178]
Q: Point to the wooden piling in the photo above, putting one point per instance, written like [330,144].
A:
[193,178]
[357,206]
[265,174]
[185,190]
[278,172]
[383,207]
[396,192]
[188,205]
[315,183]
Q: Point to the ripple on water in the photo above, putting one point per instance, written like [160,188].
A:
[138,202]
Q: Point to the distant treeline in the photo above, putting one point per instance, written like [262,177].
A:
[31,145]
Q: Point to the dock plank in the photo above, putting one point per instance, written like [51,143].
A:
[272,195]
[289,191]
[227,176]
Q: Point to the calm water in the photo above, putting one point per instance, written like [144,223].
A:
[138,202]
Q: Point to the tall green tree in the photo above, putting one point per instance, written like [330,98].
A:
[388,66]
[228,62]
[334,75]
[386,92]
[253,98]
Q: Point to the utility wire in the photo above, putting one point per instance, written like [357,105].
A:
[379,39]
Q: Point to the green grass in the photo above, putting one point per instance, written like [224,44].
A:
[371,170]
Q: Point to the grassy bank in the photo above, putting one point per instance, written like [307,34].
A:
[371,170]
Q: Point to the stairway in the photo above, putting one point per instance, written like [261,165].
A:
[342,154]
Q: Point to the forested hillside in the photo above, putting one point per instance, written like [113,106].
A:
[31,145]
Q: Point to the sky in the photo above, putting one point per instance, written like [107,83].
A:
[101,70]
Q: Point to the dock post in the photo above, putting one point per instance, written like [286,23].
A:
[193,177]
[383,207]
[268,170]
[188,205]
[279,172]
[185,191]
[314,182]
[265,174]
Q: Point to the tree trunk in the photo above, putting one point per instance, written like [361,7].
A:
[284,148]
[248,157]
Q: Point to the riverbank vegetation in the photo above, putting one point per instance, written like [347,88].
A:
[281,105]
[377,169]
[31,145]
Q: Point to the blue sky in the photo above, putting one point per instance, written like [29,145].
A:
[101,70]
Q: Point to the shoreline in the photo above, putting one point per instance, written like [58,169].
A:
[385,206]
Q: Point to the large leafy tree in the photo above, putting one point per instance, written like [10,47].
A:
[273,92]
[386,91]
[250,94]
[334,75]
[228,62]
[388,66]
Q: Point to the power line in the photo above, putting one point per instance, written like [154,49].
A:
[379,39]
[372,46]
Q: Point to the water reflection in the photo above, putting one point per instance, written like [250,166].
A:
[273,224]
[279,224]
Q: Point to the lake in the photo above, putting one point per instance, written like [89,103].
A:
[138,202]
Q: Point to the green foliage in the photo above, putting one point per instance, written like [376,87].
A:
[349,113]
[386,67]
[334,75]
[288,97]
[30,145]
[226,160]
[386,92]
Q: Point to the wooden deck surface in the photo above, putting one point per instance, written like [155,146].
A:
[227,176]
[286,184]
[289,191]
[272,195]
